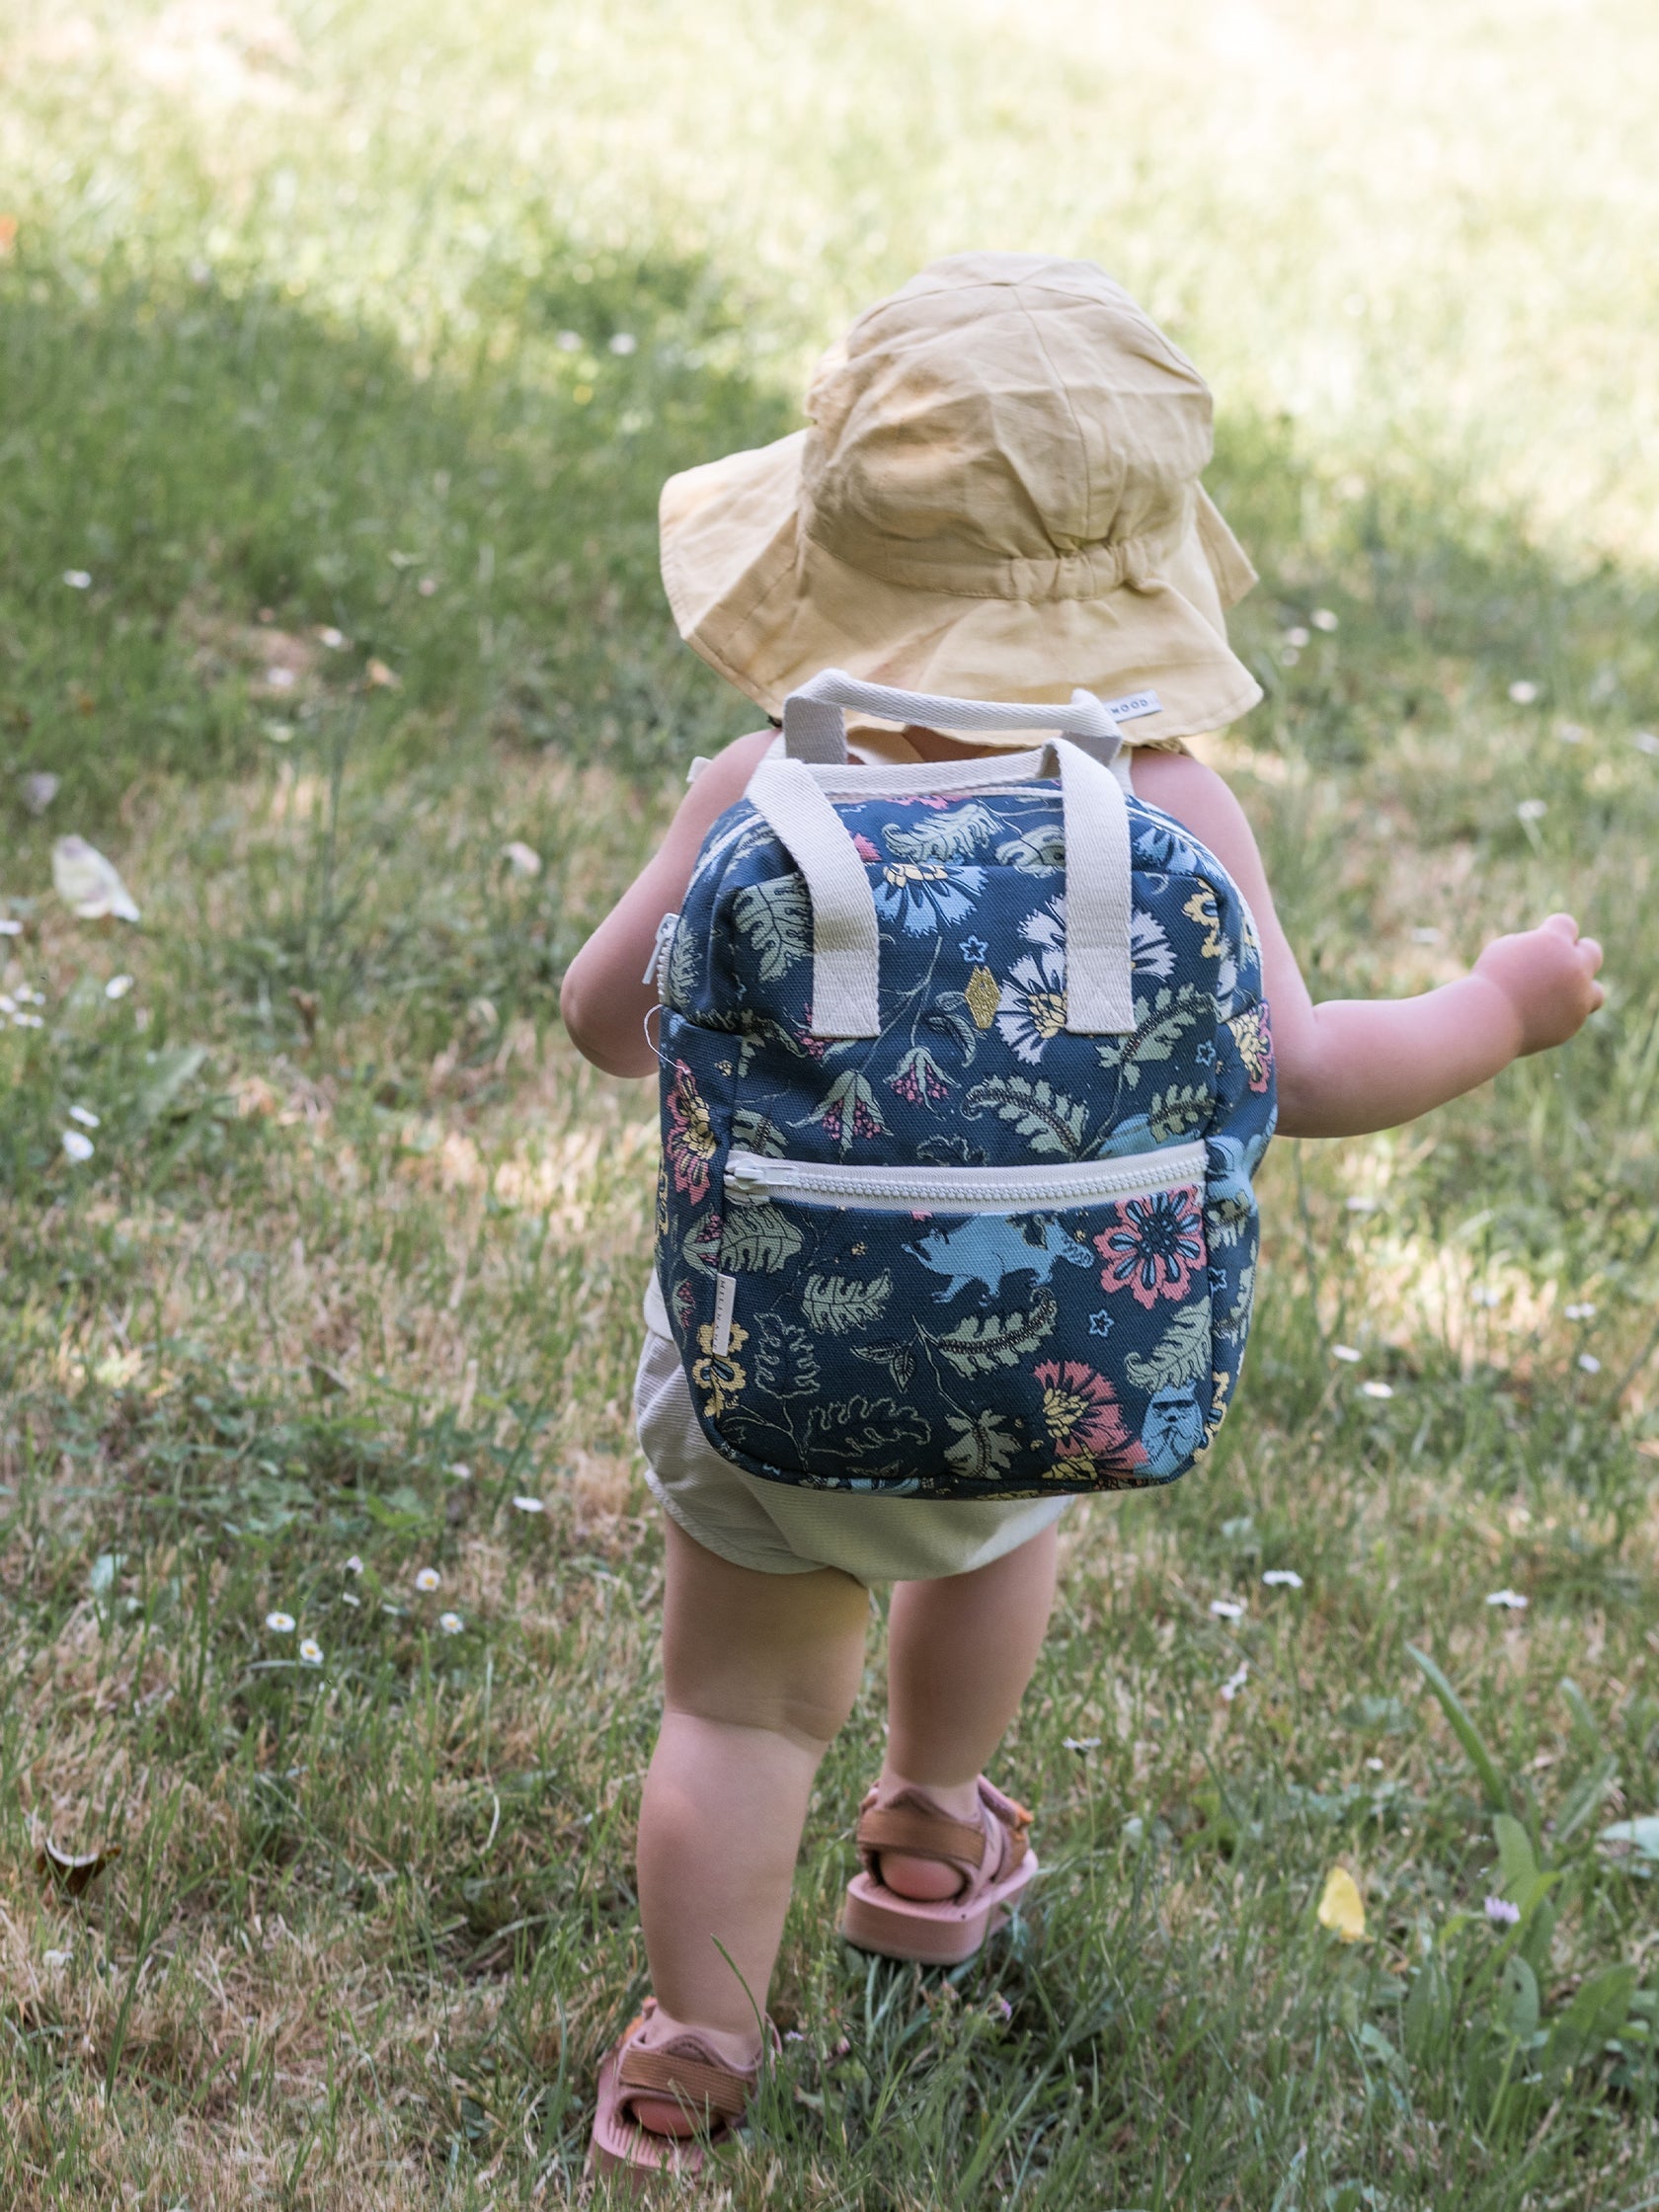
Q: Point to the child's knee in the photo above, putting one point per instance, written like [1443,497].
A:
[808,1713]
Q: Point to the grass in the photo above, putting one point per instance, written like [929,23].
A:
[309,332]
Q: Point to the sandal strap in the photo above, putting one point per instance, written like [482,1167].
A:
[921,1835]
[716,2090]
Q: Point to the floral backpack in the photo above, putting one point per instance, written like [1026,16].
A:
[965,1072]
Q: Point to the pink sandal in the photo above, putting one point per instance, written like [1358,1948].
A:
[687,2073]
[994,1860]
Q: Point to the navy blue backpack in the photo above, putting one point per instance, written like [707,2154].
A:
[966,1073]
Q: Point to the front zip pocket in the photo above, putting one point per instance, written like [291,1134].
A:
[961,1190]
[960,1331]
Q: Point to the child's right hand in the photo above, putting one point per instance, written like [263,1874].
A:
[1548,976]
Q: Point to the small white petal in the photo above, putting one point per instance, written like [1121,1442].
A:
[1502,1913]
[1297,637]
[451,1624]
[117,986]
[1425,934]
[279,679]
[624,342]
[1511,1600]
[1584,1311]
[1323,619]
[1349,1353]
[429,1578]
[347,1599]
[85,1116]
[9,927]
[354,1564]
[530,1505]
[280,1624]
[1572,732]
[1376,1390]
[1283,1578]
[459,1469]
[1227,1609]
[1532,809]
[1524,691]
[1589,1363]
[77,580]
[89,883]
[1483,1296]
[523,859]
[1234,1683]
[1646,740]
[1362,1205]
[1375,1766]
[1081,1742]
[310,1652]
[334,639]
[77,1147]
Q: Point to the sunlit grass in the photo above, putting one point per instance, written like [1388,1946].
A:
[343,353]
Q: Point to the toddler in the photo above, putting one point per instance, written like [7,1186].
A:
[997,497]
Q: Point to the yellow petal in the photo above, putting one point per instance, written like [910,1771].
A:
[1341,1907]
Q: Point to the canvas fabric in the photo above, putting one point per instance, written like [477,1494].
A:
[936,1349]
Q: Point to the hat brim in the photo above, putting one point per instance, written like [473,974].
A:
[767,606]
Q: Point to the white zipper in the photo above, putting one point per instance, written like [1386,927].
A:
[962,1190]
[656,967]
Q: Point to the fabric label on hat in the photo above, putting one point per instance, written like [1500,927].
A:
[1133,705]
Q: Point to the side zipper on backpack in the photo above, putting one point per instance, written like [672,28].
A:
[656,967]
[962,1190]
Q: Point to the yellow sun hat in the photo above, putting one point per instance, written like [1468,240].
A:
[997,497]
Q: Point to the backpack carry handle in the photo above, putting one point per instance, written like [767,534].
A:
[813,728]
[1099,983]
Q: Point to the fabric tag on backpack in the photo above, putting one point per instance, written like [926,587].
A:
[1133,705]
[725,1299]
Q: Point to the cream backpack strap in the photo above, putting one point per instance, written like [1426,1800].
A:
[788,790]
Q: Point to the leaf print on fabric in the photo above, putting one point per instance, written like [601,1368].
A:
[950,1151]
[1046,1118]
[984,1447]
[784,1358]
[757,1133]
[720,1374]
[1253,1037]
[701,1244]
[1155,1247]
[1031,1009]
[1039,852]
[951,1015]
[1161,1022]
[1163,845]
[1234,1324]
[876,1435]
[835,1304]
[1181,1355]
[898,1358]
[923,897]
[1084,1422]
[776,918]
[982,996]
[759,1238]
[689,1146]
[849,1111]
[948,836]
[920,1077]
[990,1340]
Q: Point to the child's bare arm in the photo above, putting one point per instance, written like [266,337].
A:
[602,998]
[1354,1064]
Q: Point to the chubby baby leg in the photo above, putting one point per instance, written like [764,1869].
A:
[759,1671]
[960,1653]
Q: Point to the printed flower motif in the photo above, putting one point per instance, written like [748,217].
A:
[1031,1011]
[720,1374]
[1100,1324]
[684,1303]
[690,1141]
[849,1111]
[1201,907]
[975,951]
[1084,1422]
[1156,1248]
[923,895]
[864,848]
[920,1077]
[1149,944]
[1254,1039]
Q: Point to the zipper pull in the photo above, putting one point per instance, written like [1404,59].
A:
[654,971]
[750,1176]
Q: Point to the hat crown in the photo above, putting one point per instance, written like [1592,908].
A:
[1006,426]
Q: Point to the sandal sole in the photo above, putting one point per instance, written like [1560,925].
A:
[929,1934]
